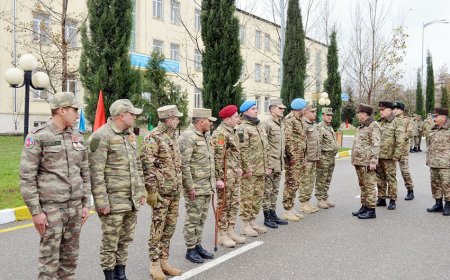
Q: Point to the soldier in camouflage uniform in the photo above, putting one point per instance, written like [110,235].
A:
[365,151]
[276,145]
[438,159]
[399,108]
[228,169]
[392,141]
[199,181]
[161,165]
[427,126]
[420,127]
[414,133]
[295,133]
[325,167]
[57,197]
[117,185]
[253,147]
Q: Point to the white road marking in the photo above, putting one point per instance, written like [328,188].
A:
[188,274]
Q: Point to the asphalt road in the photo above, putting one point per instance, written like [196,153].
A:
[407,243]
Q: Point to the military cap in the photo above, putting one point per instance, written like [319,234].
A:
[276,102]
[203,113]
[441,111]
[298,104]
[63,99]
[386,104]
[327,110]
[310,107]
[168,111]
[247,105]
[398,105]
[228,111]
[121,106]
[365,108]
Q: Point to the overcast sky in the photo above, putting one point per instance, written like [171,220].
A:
[413,13]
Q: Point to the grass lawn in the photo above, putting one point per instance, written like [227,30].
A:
[10,150]
[343,149]
[349,132]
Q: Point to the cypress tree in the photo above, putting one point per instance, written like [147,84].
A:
[105,63]
[419,96]
[221,61]
[294,57]
[332,84]
[444,97]
[429,102]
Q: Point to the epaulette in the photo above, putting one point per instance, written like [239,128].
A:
[41,127]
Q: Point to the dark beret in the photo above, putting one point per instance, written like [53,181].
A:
[365,108]
[441,111]
[386,104]
[398,105]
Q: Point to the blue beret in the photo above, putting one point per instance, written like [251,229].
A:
[247,105]
[298,104]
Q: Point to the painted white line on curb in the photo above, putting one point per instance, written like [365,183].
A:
[188,274]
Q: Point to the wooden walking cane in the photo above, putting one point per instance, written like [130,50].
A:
[218,212]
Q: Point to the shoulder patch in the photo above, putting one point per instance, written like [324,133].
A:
[94,144]
[221,139]
[30,142]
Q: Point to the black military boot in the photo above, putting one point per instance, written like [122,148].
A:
[410,195]
[416,150]
[411,150]
[419,150]
[276,219]
[119,272]
[203,253]
[360,211]
[109,274]
[381,202]
[436,207]
[193,256]
[392,205]
[368,214]
[268,220]
[446,209]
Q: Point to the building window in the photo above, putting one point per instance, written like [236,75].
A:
[258,103]
[267,74]
[197,24]
[175,12]
[257,72]
[41,28]
[308,55]
[198,101]
[257,39]
[158,46]
[175,52]
[133,27]
[197,60]
[40,94]
[71,32]
[318,71]
[243,74]
[266,104]
[158,9]
[38,123]
[267,42]
[72,86]
[242,34]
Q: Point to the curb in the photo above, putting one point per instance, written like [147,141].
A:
[14,215]
[344,154]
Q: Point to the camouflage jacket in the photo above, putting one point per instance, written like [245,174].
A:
[428,124]
[312,141]
[420,126]
[161,161]
[438,143]
[295,132]
[197,161]
[226,140]
[54,168]
[414,126]
[328,143]
[276,143]
[408,124]
[253,146]
[392,137]
[366,144]
[116,171]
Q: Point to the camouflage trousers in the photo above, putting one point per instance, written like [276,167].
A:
[164,220]
[271,191]
[307,181]
[386,178]
[404,169]
[59,246]
[228,205]
[291,184]
[196,213]
[324,173]
[414,142]
[252,194]
[440,183]
[367,180]
[118,231]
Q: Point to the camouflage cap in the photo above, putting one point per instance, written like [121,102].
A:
[327,110]
[63,99]
[365,108]
[168,111]
[203,113]
[121,106]
[277,102]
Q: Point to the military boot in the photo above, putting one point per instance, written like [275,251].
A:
[410,195]
[235,237]
[276,219]
[416,150]
[411,150]
[288,215]
[203,253]
[307,208]
[268,220]
[119,272]
[156,271]
[248,230]
[360,211]
[298,215]
[381,202]
[446,209]
[392,205]
[225,240]
[368,214]
[322,204]
[329,203]
[258,228]
[168,269]
[436,207]
[109,274]
[193,256]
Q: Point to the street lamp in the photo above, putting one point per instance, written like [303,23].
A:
[444,21]
[22,76]
[323,101]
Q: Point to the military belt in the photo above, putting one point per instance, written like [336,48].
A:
[67,204]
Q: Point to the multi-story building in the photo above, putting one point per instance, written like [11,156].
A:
[170,27]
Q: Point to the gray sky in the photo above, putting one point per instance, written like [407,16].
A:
[412,13]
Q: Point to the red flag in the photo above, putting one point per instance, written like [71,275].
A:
[100,118]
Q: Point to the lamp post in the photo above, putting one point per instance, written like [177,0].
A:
[444,21]
[323,101]
[23,76]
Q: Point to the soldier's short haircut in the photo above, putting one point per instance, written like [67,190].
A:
[54,111]
[196,120]
[272,106]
